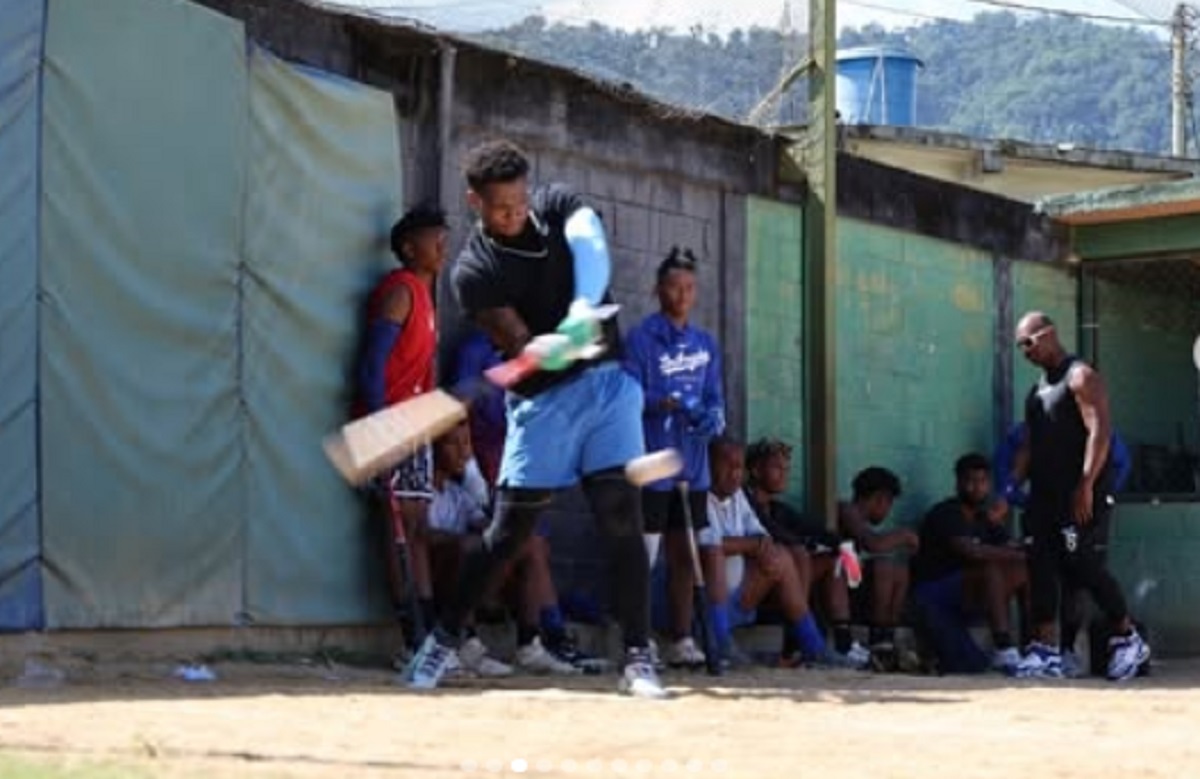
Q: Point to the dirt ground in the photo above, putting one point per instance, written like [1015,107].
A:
[325,720]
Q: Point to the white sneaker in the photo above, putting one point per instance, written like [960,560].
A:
[1040,662]
[429,664]
[1006,661]
[859,655]
[685,654]
[639,678]
[474,658]
[1126,656]
[536,659]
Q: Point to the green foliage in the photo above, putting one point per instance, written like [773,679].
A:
[1042,79]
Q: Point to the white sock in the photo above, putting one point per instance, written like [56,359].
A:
[653,540]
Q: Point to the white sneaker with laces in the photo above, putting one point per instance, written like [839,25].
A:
[859,655]
[474,658]
[1040,662]
[1006,661]
[685,654]
[536,659]
[1126,656]
[429,664]
[639,679]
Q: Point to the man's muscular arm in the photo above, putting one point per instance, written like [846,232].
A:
[506,329]
[1092,399]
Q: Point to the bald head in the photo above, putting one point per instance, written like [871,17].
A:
[1037,338]
[1033,321]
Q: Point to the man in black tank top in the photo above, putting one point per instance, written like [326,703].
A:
[1065,457]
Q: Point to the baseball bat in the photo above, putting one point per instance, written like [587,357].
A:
[712,660]
[404,562]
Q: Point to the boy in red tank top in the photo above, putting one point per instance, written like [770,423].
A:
[398,364]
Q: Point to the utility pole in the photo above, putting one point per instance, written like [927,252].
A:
[820,258]
[1179,81]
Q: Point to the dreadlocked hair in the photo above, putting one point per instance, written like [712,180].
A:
[764,449]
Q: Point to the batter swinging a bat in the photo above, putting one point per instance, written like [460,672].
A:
[537,264]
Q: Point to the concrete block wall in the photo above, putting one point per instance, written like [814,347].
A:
[915,331]
[774,362]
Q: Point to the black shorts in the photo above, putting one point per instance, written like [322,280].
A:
[663,510]
[1052,535]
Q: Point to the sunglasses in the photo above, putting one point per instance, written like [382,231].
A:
[1029,341]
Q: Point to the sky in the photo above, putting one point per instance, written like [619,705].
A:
[720,16]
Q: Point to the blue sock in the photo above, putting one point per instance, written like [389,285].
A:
[551,621]
[812,643]
[718,617]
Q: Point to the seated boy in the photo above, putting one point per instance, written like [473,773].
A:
[813,548]
[744,566]
[968,567]
[885,555]
[455,519]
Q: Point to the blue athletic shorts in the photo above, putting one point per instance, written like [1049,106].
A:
[589,423]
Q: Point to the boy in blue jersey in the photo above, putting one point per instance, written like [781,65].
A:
[679,368]
[537,264]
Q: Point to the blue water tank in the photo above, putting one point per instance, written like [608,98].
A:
[877,85]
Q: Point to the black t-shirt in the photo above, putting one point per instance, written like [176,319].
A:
[945,523]
[789,527]
[534,274]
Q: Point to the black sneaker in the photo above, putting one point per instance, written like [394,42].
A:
[567,650]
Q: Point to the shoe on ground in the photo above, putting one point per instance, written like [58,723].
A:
[831,659]
[859,655]
[884,659]
[475,659]
[1126,654]
[567,650]
[534,658]
[685,654]
[429,665]
[1006,661]
[1040,662]
[638,678]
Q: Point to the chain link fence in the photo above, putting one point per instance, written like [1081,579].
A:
[1141,319]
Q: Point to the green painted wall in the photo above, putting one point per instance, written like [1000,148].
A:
[774,329]
[1153,551]
[1138,238]
[1055,291]
[1145,354]
[915,326]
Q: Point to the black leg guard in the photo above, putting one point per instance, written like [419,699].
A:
[516,516]
[617,505]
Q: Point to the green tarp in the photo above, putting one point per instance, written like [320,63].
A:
[20,53]
[210,220]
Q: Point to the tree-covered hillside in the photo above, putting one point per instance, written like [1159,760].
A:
[1045,79]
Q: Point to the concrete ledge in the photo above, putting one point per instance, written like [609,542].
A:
[107,646]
